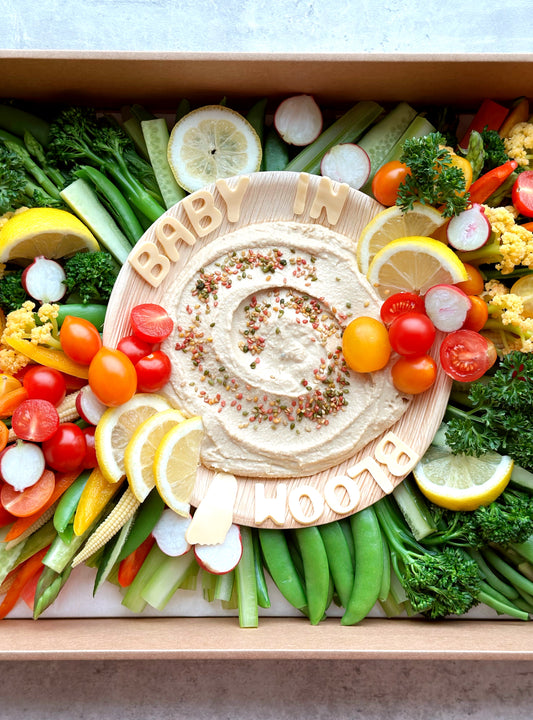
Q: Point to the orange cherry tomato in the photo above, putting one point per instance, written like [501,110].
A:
[414,375]
[365,345]
[112,377]
[387,180]
[478,314]
[11,400]
[30,500]
[79,339]
[8,383]
[475,283]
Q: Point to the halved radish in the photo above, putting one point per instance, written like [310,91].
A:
[469,230]
[44,280]
[347,163]
[298,120]
[22,465]
[224,557]
[446,306]
[89,407]
[169,533]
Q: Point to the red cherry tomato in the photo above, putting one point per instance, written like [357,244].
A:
[414,375]
[31,500]
[387,180]
[35,420]
[65,450]
[365,345]
[44,383]
[79,339]
[522,193]
[89,461]
[112,377]
[151,322]
[478,314]
[153,371]
[400,303]
[465,355]
[134,348]
[412,333]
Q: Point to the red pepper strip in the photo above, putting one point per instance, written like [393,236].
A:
[25,572]
[490,115]
[528,226]
[488,183]
[130,566]
[63,482]
[28,591]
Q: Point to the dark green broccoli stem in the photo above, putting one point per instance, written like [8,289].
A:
[498,602]
[18,122]
[490,273]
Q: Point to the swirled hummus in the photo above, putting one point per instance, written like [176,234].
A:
[256,351]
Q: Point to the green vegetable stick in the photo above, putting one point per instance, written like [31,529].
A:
[245,582]
[156,136]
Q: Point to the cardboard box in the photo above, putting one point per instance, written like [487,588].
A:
[109,80]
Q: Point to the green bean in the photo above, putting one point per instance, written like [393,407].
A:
[368,543]
[316,571]
[281,567]
[495,600]
[490,576]
[263,600]
[147,516]
[66,507]
[339,560]
[508,572]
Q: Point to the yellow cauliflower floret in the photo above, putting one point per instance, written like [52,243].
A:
[519,142]
[516,243]
[11,362]
[507,309]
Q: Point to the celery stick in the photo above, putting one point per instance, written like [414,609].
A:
[208,585]
[224,586]
[156,136]
[414,509]
[61,553]
[390,607]
[166,580]
[84,202]
[37,541]
[132,128]
[347,128]
[245,582]
[133,599]
[191,579]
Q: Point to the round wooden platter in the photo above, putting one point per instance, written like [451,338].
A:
[294,197]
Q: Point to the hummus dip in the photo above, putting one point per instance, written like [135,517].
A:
[256,351]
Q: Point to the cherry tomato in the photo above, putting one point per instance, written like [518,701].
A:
[44,383]
[412,333]
[89,461]
[365,345]
[151,322]
[112,377]
[31,500]
[478,314]
[400,303]
[522,194]
[153,371]
[414,375]
[134,348]
[8,383]
[66,449]
[465,355]
[475,283]
[464,165]
[35,420]
[79,339]
[387,180]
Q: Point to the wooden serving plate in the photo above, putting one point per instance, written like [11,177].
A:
[294,197]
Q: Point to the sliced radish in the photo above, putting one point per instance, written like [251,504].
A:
[222,558]
[44,280]
[22,465]
[89,407]
[469,230]
[169,533]
[298,120]
[347,163]
[447,306]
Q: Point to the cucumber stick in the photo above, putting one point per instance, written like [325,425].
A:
[419,127]
[156,137]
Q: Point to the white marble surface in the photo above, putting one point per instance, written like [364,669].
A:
[266,689]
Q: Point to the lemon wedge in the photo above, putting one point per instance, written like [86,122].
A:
[116,427]
[462,482]
[414,264]
[176,464]
[50,232]
[140,451]
[210,143]
[393,223]
[523,287]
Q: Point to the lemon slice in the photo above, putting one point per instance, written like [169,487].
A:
[212,142]
[176,464]
[462,482]
[523,287]
[44,231]
[393,223]
[140,451]
[116,427]
[414,264]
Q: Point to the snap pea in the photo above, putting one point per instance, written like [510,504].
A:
[256,117]
[316,571]
[281,567]
[145,520]
[93,312]
[347,530]
[276,152]
[339,560]
[263,600]
[66,507]
[368,543]
[384,590]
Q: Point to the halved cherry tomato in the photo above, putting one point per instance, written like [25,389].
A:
[35,420]
[522,193]
[365,345]
[112,377]
[45,383]
[412,333]
[400,303]
[153,371]
[414,375]
[387,180]
[151,322]
[134,347]
[30,500]
[478,314]
[465,355]
[65,450]
[79,339]
[475,283]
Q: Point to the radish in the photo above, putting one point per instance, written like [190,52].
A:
[469,230]
[346,163]
[298,120]
[224,557]
[89,407]
[447,306]
[169,533]
[44,280]
[22,465]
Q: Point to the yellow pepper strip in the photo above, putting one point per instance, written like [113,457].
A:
[8,383]
[95,495]
[47,356]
